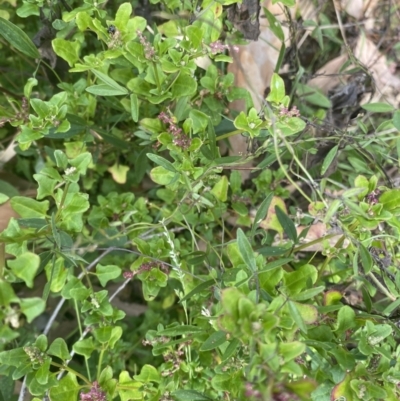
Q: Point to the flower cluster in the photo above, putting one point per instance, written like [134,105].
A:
[21,115]
[372,197]
[250,391]
[289,113]
[156,341]
[218,47]
[146,267]
[34,354]
[149,51]
[95,394]
[180,139]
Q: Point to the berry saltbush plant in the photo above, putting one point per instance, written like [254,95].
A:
[118,127]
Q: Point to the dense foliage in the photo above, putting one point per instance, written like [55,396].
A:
[117,127]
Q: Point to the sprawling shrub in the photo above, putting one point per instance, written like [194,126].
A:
[114,113]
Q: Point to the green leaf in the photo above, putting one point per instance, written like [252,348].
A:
[134,107]
[84,347]
[105,90]
[366,259]
[3,198]
[246,251]
[42,108]
[110,82]
[195,35]
[107,273]
[161,162]
[32,307]
[390,199]
[291,350]
[123,15]
[180,330]
[135,24]
[28,9]
[200,120]
[59,349]
[287,224]
[262,212]
[61,159]
[47,179]
[230,349]
[391,307]
[277,87]
[42,374]
[7,294]
[289,3]
[296,316]
[346,319]
[378,107]
[7,189]
[116,334]
[220,189]
[25,267]
[290,126]
[22,370]
[224,58]
[67,389]
[67,50]
[313,96]
[307,294]
[396,119]
[81,162]
[300,279]
[18,38]
[215,340]
[212,145]
[185,85]
[41,343]
[274,25]
[329,159]
[274,264]
[222,382]
[103,334]
[14,357]
[148,374]
[240,208]
[29,208]
[366,299]
[201,287]
[189,395]
[161,176]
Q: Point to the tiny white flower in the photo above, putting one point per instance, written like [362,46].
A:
[70,170]
[205,312]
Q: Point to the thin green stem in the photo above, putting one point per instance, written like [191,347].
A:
[78,317]
[157,77]
[229,134]
[74,372]
[52,70]
[60,207]
[278,157]
[381,287]
[100,363]
[293,153]
[2,258]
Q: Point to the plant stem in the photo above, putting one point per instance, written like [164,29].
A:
[61,205]
[157,77]
[67,368]
[229,134]
[278,157]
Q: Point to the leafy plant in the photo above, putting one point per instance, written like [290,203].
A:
[131,187]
